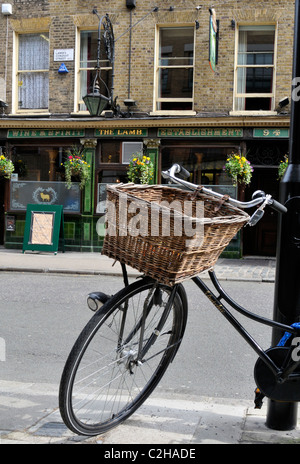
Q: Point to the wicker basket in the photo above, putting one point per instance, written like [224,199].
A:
[143,230]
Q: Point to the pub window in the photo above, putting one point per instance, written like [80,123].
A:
[110,152]
[32,83]
[129,149]
[119,152]
[255,68]
[174,80]
[39,163]
[88,46]
[205,163]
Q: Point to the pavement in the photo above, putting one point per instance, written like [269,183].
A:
[181,421]
[254,268]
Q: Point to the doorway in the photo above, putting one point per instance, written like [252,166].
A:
[261,239]
[2,210]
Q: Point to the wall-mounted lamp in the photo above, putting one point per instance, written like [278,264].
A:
[197,24]
[233,24]
[171,8]
[131,4]
[3,104]
[6,9]
[283,102]
[95,101]
[129,102]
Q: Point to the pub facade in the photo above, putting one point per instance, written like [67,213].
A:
[174,104]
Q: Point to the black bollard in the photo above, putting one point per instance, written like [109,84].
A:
[283,415]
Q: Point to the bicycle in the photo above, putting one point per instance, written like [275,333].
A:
[128,344]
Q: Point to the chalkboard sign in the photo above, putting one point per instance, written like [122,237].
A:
[23,193]
[44,228]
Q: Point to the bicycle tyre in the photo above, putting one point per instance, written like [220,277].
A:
[100,336]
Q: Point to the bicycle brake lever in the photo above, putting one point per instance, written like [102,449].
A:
[259,212]
[256,217]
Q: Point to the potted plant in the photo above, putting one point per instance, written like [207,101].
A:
[76,166]
[239,169]
[282,167]
[141,169]
[6,167]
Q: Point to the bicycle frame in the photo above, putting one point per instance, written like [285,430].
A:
[287,368]
[216,301]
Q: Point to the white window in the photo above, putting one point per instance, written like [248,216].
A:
[129,149]
[32,83]
[174,79]
[87,61]
[255,68]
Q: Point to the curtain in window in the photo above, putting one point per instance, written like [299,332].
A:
[241,72]
[84,58]
[33,66]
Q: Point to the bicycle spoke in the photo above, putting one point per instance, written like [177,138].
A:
[120,360]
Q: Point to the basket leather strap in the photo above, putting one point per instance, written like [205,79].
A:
[195,193]
[221,202]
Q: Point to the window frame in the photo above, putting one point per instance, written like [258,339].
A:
[157,67]
[271,95]
[77,100]
[17,72]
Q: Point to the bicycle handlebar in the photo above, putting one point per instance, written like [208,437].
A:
[259,198]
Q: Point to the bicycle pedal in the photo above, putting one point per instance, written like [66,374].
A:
[258,401]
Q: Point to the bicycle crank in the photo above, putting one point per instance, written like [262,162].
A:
[271,385]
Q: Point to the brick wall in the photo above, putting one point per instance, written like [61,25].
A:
[213,92]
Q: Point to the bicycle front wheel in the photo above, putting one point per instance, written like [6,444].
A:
[120,357]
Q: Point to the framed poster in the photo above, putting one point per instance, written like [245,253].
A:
[10,223]
[41,228]
[44,228]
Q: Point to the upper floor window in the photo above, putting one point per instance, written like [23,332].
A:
[88,43]
[174,83]
[255,69]
[33,71]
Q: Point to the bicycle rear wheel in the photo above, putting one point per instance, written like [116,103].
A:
[105,380]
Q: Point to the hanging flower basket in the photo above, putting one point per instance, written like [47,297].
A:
[239,169]
[6,167]
[282,167]
[76,167]
[141,169]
